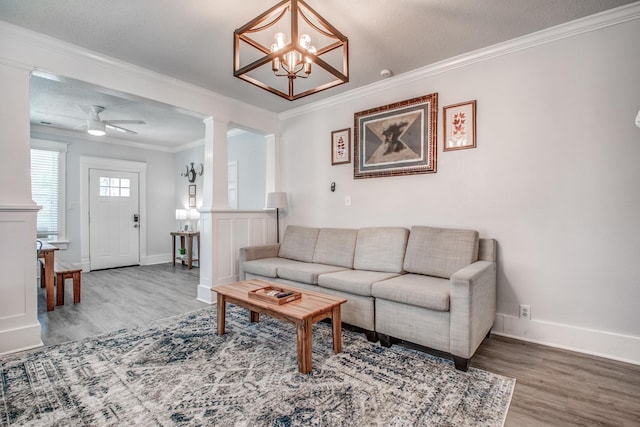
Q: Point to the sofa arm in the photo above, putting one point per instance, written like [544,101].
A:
[472,306]
[256,252]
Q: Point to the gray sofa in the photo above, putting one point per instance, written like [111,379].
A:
[434,287]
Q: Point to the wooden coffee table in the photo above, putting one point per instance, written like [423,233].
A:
[304,312]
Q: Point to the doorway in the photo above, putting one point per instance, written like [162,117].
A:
[111,235]
[114,219]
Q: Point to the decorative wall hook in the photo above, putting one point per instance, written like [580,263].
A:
[191,173]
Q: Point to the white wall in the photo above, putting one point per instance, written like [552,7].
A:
[250,151]
[554,179]
[183,159]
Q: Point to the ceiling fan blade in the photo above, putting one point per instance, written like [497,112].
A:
[119,129]
[60,115]
[86,110]
[126,122]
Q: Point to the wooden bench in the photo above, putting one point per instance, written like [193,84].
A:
[62,272]
[65,271]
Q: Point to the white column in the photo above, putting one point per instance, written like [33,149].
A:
[214,196]
[19,326]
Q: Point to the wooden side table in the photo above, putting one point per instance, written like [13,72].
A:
[188,236]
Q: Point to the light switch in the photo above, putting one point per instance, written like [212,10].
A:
[347,200]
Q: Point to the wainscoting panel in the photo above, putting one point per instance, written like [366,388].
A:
[19,326]
[234,230]
[223,236]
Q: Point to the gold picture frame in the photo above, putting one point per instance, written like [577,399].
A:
[459,126]
[396,139]
[341,146]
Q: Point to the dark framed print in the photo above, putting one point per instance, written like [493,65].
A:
[192,190]
[459,126]
[341,146]
[396,139]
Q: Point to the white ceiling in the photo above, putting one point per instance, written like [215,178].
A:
[191,40]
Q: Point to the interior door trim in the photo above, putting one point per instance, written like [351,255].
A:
[87,163]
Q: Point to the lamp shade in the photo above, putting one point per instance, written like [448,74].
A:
[194,214]
[181,214]
[277,200]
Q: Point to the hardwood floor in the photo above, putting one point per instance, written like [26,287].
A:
[553,387]
[120,298]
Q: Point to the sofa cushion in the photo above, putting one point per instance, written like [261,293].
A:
[415,289]
[380,249]
[299,243]
[306,272]
[353,281]
[336,246]
[268,267]
[440,252]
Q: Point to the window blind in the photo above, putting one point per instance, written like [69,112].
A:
[44,190]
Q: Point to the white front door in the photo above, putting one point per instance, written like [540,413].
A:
[114,221]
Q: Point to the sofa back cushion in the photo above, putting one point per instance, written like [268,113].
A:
[440,252]
[336,246]
[381,249]
[298,243]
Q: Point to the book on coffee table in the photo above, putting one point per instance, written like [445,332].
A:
[275,295]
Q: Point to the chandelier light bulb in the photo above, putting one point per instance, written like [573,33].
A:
[280,40]
[312,50]
[292,59]
[305,41]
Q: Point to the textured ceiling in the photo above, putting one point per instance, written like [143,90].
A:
[59,103]
[191,40]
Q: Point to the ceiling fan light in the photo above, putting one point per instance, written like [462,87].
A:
[96,127]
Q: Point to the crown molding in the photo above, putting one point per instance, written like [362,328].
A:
[570,29]
[188,145]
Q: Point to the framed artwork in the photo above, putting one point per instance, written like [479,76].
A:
[341,146]
[192,201]
[396,139]
[192,190]
[459,126]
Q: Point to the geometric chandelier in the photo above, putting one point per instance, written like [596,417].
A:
[291,51]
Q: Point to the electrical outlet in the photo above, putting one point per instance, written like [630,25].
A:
[525,312]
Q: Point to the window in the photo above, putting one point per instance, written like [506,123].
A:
[115,187]
[47,188]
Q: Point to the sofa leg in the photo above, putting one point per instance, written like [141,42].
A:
[371,336]
[461,363]
[385,340]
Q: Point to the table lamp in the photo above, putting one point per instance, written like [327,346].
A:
[181,215]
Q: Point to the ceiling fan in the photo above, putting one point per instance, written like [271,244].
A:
[97,127]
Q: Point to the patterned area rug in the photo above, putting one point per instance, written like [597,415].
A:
[179,372]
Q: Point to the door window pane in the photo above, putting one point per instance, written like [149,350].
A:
[115,187]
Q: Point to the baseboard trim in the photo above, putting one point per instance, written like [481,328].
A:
[623,348]
[155,259]
[20,339]
[205,294]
